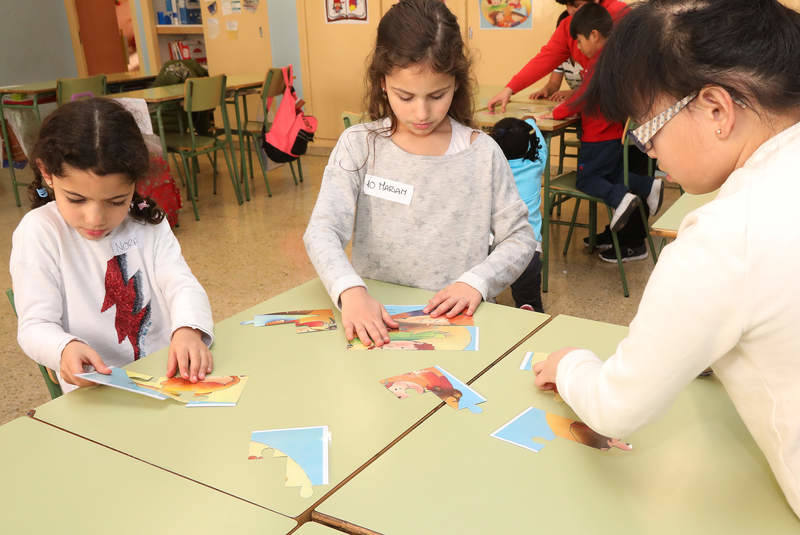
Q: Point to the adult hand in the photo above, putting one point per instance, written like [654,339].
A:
[454,299]
[546,369]
[73,358]
[365,317]
[189,355]
[501,99]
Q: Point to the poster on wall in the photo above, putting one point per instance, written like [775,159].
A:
[346,11]
[505,14]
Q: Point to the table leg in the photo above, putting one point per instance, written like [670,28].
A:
[548,204]
[243,171]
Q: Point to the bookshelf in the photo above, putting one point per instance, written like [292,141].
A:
[164,34]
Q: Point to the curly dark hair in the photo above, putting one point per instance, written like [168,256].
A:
[96,135]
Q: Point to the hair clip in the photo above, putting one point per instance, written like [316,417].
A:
[142,205]
[41,192]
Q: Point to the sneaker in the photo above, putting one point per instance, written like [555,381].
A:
[628,254]
[526,307]
[656,196]
[625,208]
[602,241]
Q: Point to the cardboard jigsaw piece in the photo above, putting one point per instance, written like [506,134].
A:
[439,381]
[295,476]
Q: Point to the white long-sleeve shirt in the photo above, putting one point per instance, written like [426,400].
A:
[725,294]
[123,295]
[441,236]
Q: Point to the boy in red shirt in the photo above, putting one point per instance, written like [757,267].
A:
[600,167]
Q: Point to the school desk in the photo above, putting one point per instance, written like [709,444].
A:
[55,482]
[295,380]
[313,528]
[694,470]
[667,225]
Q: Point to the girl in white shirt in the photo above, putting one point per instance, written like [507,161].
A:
[715,86]
[98,276]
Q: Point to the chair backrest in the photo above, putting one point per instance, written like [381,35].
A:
[273,86]
[350,118]
[202,94]
[67,87]
[50,379]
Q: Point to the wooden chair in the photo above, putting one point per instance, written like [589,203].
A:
[50,378]
[66,88]
[564,187]
[202,94]
[254,130]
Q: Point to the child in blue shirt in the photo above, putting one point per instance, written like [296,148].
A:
[524,147]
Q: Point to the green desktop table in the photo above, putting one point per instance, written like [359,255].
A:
[670,221]
[294,380]
[694,470]
[55,482]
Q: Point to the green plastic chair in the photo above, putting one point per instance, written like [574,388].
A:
[202,94]
[350,118]
[564,187]
[50,379]
[272,87]
[66,88]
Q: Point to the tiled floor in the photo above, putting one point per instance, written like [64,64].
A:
[245,254]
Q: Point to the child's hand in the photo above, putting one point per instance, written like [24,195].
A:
[540,94]
[546,370]
[454,299]
[548,116]
[365,317]
[561,96]
[500,99]
[74,356]
[189,354]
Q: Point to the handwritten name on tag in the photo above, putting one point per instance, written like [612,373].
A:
[390,190]
[123,245]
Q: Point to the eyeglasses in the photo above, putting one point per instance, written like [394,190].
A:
[642,135]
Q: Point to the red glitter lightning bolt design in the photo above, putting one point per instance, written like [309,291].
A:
[131,320]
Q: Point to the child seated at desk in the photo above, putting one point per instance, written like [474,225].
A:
[98,276]
[418,189]
[719,106]
[526,150]
[600,159]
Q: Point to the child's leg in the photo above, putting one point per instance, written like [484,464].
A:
[527,289]
[599,171]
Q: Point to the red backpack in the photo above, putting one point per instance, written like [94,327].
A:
[291,130]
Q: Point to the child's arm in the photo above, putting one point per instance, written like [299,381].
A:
[191,323]
[514,240]
[38,294]
[693,311]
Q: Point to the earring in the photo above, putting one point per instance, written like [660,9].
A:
[719,131]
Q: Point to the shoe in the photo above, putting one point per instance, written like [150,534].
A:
[526,307]
[602,241]
[656,196]
[628,254]
[625,208]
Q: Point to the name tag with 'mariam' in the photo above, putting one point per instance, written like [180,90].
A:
[390,190]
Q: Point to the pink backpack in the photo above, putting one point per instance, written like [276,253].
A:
[291,130]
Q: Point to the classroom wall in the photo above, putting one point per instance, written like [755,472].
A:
[36,43]
[284,38]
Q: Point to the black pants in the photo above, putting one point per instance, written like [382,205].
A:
[527,289]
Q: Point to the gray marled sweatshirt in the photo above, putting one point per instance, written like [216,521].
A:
[440,237]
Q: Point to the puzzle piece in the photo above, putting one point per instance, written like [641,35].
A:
[535,423]
[437,380]
[529,360]
[306,451]
[124,380]
[213,391]
[414,315]
[305,321]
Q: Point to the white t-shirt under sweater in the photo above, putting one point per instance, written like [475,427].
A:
[725,294]
[440,237]
[124,295]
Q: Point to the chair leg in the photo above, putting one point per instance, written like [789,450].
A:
[179,168]
[294,177]
[234,180]
[263,162]
[618,252]
[546,216]
[189,186]
[653,251]
[214,167]
[300,169]
[572,224]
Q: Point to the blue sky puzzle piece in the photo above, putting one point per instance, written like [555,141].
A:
[469,398]
[530,424]
[307,446]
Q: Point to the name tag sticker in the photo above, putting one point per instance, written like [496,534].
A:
[390,190]
[123,245]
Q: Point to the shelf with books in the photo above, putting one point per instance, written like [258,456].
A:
[179,29]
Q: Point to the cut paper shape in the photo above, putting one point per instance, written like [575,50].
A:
[532,424]
[414,315]
[439,381]
[306,321]
[213,391]
[306,450]
[123,380]
[530,358]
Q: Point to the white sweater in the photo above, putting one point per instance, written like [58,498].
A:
[440,237]
[124,295]
[725,294]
